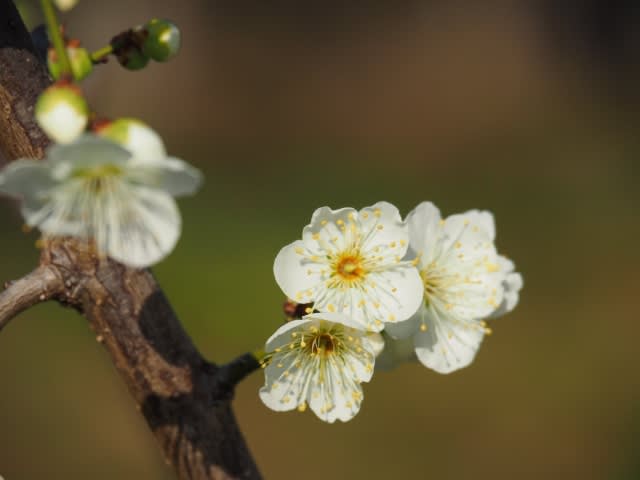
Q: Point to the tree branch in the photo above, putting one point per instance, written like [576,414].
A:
[40,285]
[185,399]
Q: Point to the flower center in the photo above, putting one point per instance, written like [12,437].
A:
[324,343]
[98,178]
[100,171]
[349,267]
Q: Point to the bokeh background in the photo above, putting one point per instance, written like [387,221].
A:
[525,108]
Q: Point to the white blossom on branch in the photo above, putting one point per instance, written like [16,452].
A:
[93,188]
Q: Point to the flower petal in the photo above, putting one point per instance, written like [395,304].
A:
[482,219]
[446,346]
[143,231]
[512,284]
[179,178]
[86,151]
[295,272]
[382,226]
[25,178]
[424,231]
[406,328]
[327,232]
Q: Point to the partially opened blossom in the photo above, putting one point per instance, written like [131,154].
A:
[350,262]
[319,362]
[465,282]
[95,189]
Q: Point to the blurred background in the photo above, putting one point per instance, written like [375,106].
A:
[525,108]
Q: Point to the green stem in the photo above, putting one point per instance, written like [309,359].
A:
[260,355]
[53,28]
[100,54]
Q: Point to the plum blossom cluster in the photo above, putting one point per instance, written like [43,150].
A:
[381,291]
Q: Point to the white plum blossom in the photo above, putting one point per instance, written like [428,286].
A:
[319,362]
[350,262]
[95,189]
[465,282]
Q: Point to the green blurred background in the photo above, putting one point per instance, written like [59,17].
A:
[524,108]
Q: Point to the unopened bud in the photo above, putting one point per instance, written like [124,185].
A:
[64,5]
[162,41]
[79,58]
[62,112]
[137,137]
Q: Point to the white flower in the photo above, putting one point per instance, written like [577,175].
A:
[319,362]
[94,188]
[351,262]
[464,282]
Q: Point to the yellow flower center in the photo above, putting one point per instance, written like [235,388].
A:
[349,267]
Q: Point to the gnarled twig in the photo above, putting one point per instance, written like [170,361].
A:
[40,285]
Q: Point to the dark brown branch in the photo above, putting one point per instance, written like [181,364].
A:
[40,285]
[185,399]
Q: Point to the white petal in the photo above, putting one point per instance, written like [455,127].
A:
[512,284]
[86,151]
[63,210]
[143,231]
[25,178]
[482,219]
[295,273]
[406,328]
[326,232]
[381,226]
[172,175]
[179,178]
[446,346]
[281,335]
[399,290]
[279,392]
[424,230]
[374,343]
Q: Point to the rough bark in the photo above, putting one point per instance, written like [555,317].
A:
[185,399]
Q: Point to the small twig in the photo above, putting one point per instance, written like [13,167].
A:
[38,286]
[232,373]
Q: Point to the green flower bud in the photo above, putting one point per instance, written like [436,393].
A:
[62,112]
[135,136]
[80,59]
[132,58]
[162,41]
